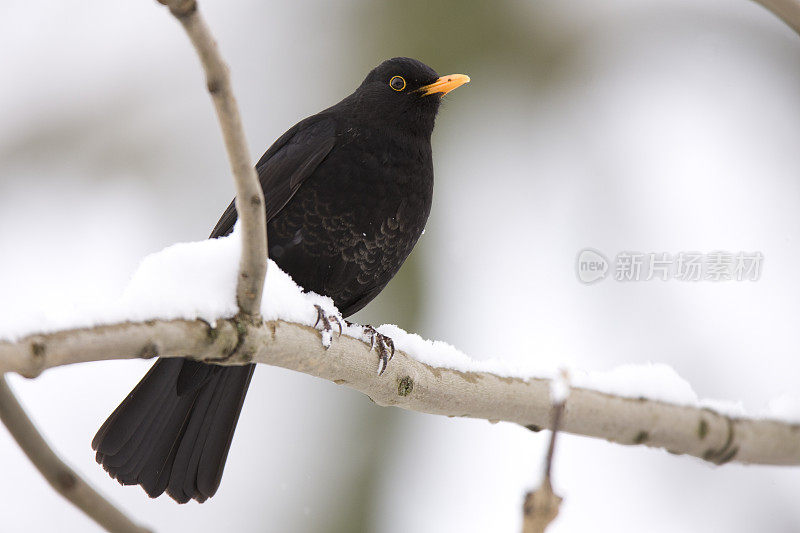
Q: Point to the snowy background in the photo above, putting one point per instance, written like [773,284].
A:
[658,126]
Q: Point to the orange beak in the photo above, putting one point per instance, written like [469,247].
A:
[445,84]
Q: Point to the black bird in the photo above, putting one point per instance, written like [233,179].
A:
[348,192]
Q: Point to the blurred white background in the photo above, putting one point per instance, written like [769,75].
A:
[657,126]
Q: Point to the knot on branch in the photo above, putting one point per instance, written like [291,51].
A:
[65,481]
[249,337]
[38,361]
[150,351]
[214,86]
[727,451]
[405,386]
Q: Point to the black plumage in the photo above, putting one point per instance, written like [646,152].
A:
[348,192]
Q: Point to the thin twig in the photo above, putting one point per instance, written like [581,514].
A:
[542,505]
[249,196]
[410,384]
[559,392]
[59,475]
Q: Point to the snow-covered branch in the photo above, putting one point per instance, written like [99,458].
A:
[62,478]
[249,196]
[410,384]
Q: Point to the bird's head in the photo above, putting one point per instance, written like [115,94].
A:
[405,93]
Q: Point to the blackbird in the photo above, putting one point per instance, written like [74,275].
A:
[348,192]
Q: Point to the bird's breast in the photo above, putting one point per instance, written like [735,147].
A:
[351,225]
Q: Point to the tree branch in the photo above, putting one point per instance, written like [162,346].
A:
[250,283]
[410,384]
[786,10]
[249,196]
[542,505]
[63,479]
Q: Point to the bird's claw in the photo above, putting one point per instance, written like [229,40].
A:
[327,329]
[384,344]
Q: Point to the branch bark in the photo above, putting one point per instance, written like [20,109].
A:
[62,478]
[412,385]
[786,10]
[542,505]
[249,196]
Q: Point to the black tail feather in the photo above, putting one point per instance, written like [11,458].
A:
[215,450]
[173,431]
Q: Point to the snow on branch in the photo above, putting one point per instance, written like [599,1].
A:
[411,384]
[62,478]
[181,302]
[249,196]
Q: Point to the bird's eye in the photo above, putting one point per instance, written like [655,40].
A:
[398,83]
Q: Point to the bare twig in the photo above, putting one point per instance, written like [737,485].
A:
[542,505]
[249,196]
[59,475]
[559,392]
[412,385]
[786,10]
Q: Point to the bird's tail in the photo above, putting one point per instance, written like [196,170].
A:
[174,430]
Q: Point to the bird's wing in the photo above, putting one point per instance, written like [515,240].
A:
[281,170]
[286,165]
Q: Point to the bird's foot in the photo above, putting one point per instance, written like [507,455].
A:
[384,344]
[327,329]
